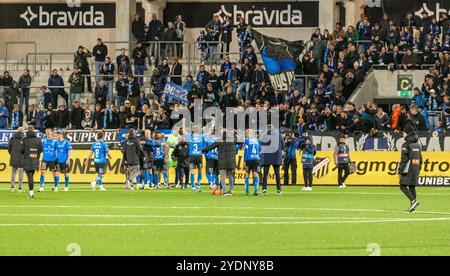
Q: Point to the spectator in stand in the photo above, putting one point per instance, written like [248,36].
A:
[62,117]
[81,62]
[4,115]
[171,35]
[139,55]
[137,28]
[122,88]
[98,118]
[16,117]
[5,83]
[99,52]
[76,116]
[46,97]
[409,60]
[107,73]
[76,81]
[101,94]
[251,56]
[56,86]
[381,120]
[245,39]
[133,90]
[176,72]
[31,116]
[24,85]
[123,55]
[180,28]
[244,88]
[158,82]
[124,67]
[234,77]
[12,95]
[156,29]
[227,36]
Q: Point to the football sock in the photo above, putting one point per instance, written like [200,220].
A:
[42,181]
[256,183]
[67,181]
[247,184]
[193,180]
[56,181]
[199,180]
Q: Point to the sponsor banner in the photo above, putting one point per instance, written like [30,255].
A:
[80,139]
[279,57]
[374,168]
[68,15]
[384,141]
[175,93]
[396,8]
[257,14]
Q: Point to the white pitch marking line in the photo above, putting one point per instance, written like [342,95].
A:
[193,217]
[225,208]
[226,223]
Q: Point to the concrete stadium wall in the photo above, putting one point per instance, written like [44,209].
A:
[385,82]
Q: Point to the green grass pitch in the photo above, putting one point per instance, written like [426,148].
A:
[329,221]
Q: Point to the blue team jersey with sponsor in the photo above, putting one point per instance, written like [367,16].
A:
[196,144]
[158,152]
[49,150]
[252,151]
[63,148]
[100,150]
[212,154]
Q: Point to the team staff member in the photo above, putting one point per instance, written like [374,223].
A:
[32,153]
[133,154]
[409,169]
[181,154]
[15,150]
[50,154]
[64,149]
[272,147]
[342,161]
[309,151]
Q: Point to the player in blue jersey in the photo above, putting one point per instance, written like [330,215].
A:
[50,154]
[64,149]
[212,163]
[252,159]
[160,153]
[100,151]
[196,143]
[148,145]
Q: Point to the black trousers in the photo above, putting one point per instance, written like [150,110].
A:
[276,168]
[87,71]
[343,173]
[290,164]
[30,178]
[25,100]
[409,191]
[308,177]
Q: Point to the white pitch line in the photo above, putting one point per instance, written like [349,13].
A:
[187,217]
[223,208]
[225,223]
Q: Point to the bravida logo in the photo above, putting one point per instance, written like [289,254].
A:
[63,18]
[263,17]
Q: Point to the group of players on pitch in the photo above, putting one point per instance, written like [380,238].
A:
[148,157]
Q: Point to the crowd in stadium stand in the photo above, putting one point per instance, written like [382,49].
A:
[339,59]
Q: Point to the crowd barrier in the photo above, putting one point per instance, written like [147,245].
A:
[372,169]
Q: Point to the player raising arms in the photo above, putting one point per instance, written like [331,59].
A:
[196,144]
[50,154]
[64,149]
[100,151]
[252,159]
[212,163]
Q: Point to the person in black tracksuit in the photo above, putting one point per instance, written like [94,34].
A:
[32,153]
[16,150]
[409,169]
[181,154]
[290,161]
[132,156]
[342,160]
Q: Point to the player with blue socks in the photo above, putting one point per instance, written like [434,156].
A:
[212,164]
[252,159]
[159,159]
[196,143]
[64,149]
[100,151]
[50,154]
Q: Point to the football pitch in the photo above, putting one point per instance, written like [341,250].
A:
[358,221]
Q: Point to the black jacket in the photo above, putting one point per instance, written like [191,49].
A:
[62,118]
[139,55]
[411,160]
[100,52]
[16,150]
[75,118]
[227,154]
[181,154]
[32,152]
[101,95]
[133,152]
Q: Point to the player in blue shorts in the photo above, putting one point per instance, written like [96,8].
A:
[160,153]
[100,151]
[196,143]
[50,154]
[64,149]
[212,164]
[252,159]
